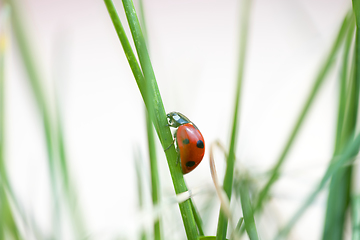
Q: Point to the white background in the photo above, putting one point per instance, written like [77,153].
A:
[194,51]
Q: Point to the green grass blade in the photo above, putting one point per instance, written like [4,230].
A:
[133,63]
[36,87]
[139,180]
[317,84]
[142,20]
[8,225]
[228,179]
[355,216]
[247,210]
[337,163]
[344,77]
[355,199]
[198,219]
[339,190]
[160,120]
[155,182]
[238,225]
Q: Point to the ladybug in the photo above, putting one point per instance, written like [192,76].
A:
[190,143]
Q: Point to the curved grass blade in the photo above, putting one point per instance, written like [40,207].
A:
[228,179]
[275,172]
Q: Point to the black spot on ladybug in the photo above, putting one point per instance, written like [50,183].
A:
[200,144]
[190,164]
[185,141]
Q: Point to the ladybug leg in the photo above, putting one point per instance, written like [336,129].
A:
[178,158]
[172,142]
[170,145]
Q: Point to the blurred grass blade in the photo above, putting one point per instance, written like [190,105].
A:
[36,87]
[317,84]
[339,189]
[337,163]
[355,199]
[8,225]
[68,186]
[142,21]
[160,120]
[246,206]
[228,179]
[154,173]
[355,215]
[139,180]
[239,224]
[155,183]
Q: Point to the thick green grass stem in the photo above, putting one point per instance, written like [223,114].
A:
[228,179]
[160,120]
[324,70]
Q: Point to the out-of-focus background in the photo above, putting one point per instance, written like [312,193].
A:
[194,47]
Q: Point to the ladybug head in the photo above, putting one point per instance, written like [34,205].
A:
[174,119]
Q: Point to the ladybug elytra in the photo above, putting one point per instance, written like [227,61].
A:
[189,141]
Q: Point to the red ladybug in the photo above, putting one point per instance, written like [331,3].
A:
[189,141]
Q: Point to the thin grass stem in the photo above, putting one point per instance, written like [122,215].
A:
[247,209]
[324,70]
[337,163]
[339,189]
[228,179]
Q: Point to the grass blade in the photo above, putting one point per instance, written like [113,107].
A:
[36,87]
[247,210]
[355,214]
[8,226]
[339,191]
[155,182]
[355,199]
[228,179]
[140,190]
[337,163]
[160,120]
[198,219]
[275,172]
